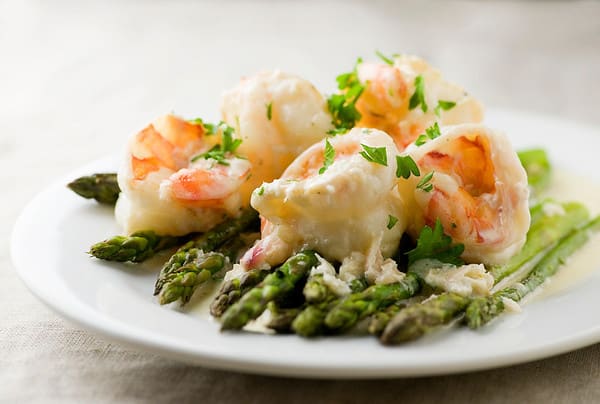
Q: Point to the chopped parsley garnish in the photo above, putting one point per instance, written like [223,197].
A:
[418,97]
[228,144]
[435,244]
[392,220]
[329,154]
[376,155]
[261,191]
[209,128]
[430,133]
[270,110]
[343,106]
[424,184]
[384,58]
[405,166]
[443,105]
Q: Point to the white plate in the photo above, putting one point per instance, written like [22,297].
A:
[116,300]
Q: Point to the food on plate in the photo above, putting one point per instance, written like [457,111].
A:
[387,208]
[477,189]
[277,116]
[103,187]
[404,95]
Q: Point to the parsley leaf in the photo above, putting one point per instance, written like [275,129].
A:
[228,144]
[443,105]
[260,191]
[430,133]
[343,106]
[384,58]
[418,97]
[376,155]
[405,165]
[270,110]
[435,244]
[392,220]
[424,184]
[329,156]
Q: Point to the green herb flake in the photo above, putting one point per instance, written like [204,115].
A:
[392,220]
[376,155]
[260,191]
[418,97]
[228,145]
[443,105]
[430,133]
[424,184]
[329,154]
[385,59]
[435,244]
[269,110]
[405,166]
[343,106]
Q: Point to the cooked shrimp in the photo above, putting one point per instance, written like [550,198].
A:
[478,191]
[277,115]
[166,190]
[339,211]
[384,103]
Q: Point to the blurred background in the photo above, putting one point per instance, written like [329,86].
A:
[78,77]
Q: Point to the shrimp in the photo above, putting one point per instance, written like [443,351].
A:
[385,102]
[166,190]
[341,210]
[277,115]
[479,192]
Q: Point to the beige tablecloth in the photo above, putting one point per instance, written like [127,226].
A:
[77,77]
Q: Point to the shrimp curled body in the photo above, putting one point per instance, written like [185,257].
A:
[479,192]
[166,190]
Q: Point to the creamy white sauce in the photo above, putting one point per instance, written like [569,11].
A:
[568,186]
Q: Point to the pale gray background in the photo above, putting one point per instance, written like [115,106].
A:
[77,77]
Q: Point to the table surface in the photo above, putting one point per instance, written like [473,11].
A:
[76,78]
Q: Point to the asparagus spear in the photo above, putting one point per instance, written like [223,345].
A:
[537,166]
[275,287]
[207,242]
[545,230]
[419,319]
[481,310]
[199,268]
[231,291]
[182,283]
[137,247]
[381,319]
[281,319]
[101,187]
[357,306]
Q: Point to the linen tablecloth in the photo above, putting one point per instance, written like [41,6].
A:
[76,78]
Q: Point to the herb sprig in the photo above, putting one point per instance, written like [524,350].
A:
[343,106]
[405,166]
[329,154]
[443,105]
[376,155]
[435,244]
[228,144]
[430,133]
[418,97]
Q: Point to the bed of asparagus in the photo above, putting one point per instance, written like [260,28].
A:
[301,303]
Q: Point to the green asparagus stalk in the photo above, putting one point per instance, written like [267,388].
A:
[137,247]
[380,320]
[357,306]
[275,287]
[315,290]
[482,310]
[419,319]
[101,187]
[545,230]
[281,319]
[537,166]
[232,290]
[200,267]
[183,283]
[310,322]
[207,242]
